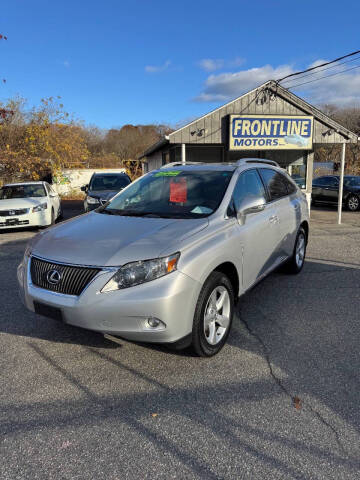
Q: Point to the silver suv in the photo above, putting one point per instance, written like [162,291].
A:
[166,259]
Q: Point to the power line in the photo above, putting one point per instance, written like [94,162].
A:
[333,66]
[321,78]
[318,66]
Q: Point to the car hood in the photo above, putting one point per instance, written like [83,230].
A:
[19,203]
[110,240]
[103,194]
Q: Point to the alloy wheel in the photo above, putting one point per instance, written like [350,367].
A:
[353,203]
[300,250]
[217,315]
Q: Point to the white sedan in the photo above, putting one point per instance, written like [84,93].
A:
[28,204]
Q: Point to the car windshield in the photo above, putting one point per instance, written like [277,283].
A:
[109,182]
[22,191]
[352,181]
[172,194]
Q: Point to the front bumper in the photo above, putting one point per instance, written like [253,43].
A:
[31,219]
[171,299]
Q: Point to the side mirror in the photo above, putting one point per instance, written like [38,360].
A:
[84,188]
[250,205]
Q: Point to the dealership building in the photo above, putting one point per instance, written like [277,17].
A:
[268,122]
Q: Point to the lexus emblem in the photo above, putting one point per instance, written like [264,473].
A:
[11,212]
[53,277]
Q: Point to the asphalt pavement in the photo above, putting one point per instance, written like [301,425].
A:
[281,401]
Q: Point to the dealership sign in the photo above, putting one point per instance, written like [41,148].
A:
[271,132]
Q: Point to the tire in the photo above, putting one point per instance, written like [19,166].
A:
[210,331]
[60,215]
[296,262]
[353,203]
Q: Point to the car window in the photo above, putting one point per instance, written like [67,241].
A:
[332,182]
[22,191]
[352,181]
[291,188]
[249,185]
[275,183]
[318,182]
[172,193]
[109,182]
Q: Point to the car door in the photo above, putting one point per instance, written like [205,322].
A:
[259,233]
[317,185]
[282,195]
[330,190]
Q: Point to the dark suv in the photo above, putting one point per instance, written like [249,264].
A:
[103,187]
[326,190]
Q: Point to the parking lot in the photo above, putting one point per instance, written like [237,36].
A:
[281,400]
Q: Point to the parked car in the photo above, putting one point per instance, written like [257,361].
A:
[325,189]
[167,258]
[28,204]
[103,187]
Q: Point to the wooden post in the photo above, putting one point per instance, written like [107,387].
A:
[183,154]
[341,186]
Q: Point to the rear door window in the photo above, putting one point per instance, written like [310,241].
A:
[275,183]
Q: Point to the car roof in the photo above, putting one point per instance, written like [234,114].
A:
[200,166]
[23,183]
[110,173]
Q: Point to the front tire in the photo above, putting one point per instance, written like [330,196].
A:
[213,315]
[352,203]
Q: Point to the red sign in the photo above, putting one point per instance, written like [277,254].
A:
[178,190]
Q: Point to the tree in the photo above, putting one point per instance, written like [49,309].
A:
[38,142]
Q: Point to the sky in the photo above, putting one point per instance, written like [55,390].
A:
[150,61]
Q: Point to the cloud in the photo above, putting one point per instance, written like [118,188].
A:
[209,64]
[66,63]
[342,89]
[157,68]
[212,64]
[225,86]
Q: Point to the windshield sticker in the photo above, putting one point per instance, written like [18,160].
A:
[169,173]
[178,191]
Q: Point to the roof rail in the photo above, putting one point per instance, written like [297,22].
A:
[257,160]
[179,164]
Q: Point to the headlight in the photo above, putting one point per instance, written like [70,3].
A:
[38,208]
[92,200]
[140,272]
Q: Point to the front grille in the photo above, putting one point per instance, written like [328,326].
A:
[9,213]
[72,281]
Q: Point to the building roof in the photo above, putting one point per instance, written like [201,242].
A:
[280,91]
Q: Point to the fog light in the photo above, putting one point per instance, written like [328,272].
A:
[154,323]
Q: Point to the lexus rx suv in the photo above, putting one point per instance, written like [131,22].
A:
[166,259]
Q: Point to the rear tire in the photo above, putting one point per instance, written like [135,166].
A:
[60,215]
[353,203]
[213,315]
[296,262]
